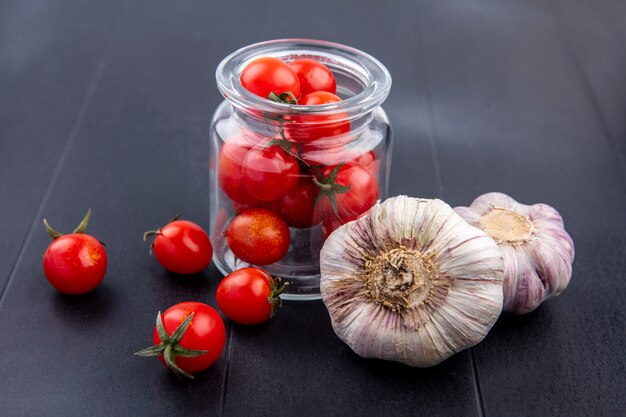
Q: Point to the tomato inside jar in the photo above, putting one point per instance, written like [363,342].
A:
[299,147]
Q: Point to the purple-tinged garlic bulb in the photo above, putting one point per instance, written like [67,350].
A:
[411,281]
[537,251]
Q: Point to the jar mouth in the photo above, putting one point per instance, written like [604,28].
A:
[362,79]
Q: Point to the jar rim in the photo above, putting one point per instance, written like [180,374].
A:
[372,74]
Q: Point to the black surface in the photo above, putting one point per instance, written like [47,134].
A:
[107,104]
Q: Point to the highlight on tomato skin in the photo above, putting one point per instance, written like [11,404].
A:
[249,296]
[74,263]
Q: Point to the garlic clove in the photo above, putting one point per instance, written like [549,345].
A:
[537,251]
[411,281]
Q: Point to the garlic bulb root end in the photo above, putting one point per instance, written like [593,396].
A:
[537,251]
[411,281]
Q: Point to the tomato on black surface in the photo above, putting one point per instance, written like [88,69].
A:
[181,246]
[74,263]
[248,296]
[188,338]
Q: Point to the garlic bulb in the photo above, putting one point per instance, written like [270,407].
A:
[411,281]
[537,251]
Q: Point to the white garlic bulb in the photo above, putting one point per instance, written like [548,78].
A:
[411,281]
[537,251]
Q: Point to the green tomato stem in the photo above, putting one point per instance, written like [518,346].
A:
[53,233]
[170,346]
[83,224]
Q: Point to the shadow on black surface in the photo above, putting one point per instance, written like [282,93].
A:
[195,287]
[190,396]
[390,370]
[316,316]
[181,383]
[252,330]
[90,308]
[536,322]
[197,281]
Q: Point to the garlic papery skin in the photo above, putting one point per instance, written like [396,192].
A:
[411,281]
[537,251]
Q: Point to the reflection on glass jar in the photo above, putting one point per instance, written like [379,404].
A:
[284,176]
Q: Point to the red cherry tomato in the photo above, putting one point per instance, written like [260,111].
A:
[317,98]
[270,75]
[349,191]
[313,76]
[307,128]
[74,263]
[296,207]
[191,338]
[258,236]
[181,247]
[248,296]
[230,170]
[269,173]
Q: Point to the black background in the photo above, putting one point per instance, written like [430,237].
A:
[107,105]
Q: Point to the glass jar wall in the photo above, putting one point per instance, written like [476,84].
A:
[292,174]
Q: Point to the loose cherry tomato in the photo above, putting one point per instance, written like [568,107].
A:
[181,246]
[296,207]
[307,128]
[230,170]
[313,76]
[269,173]
[258,236]
[188,338]
[270,75]
[74,263]
[248,296]
[349,190]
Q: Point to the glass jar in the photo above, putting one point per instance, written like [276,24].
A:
[311,167]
